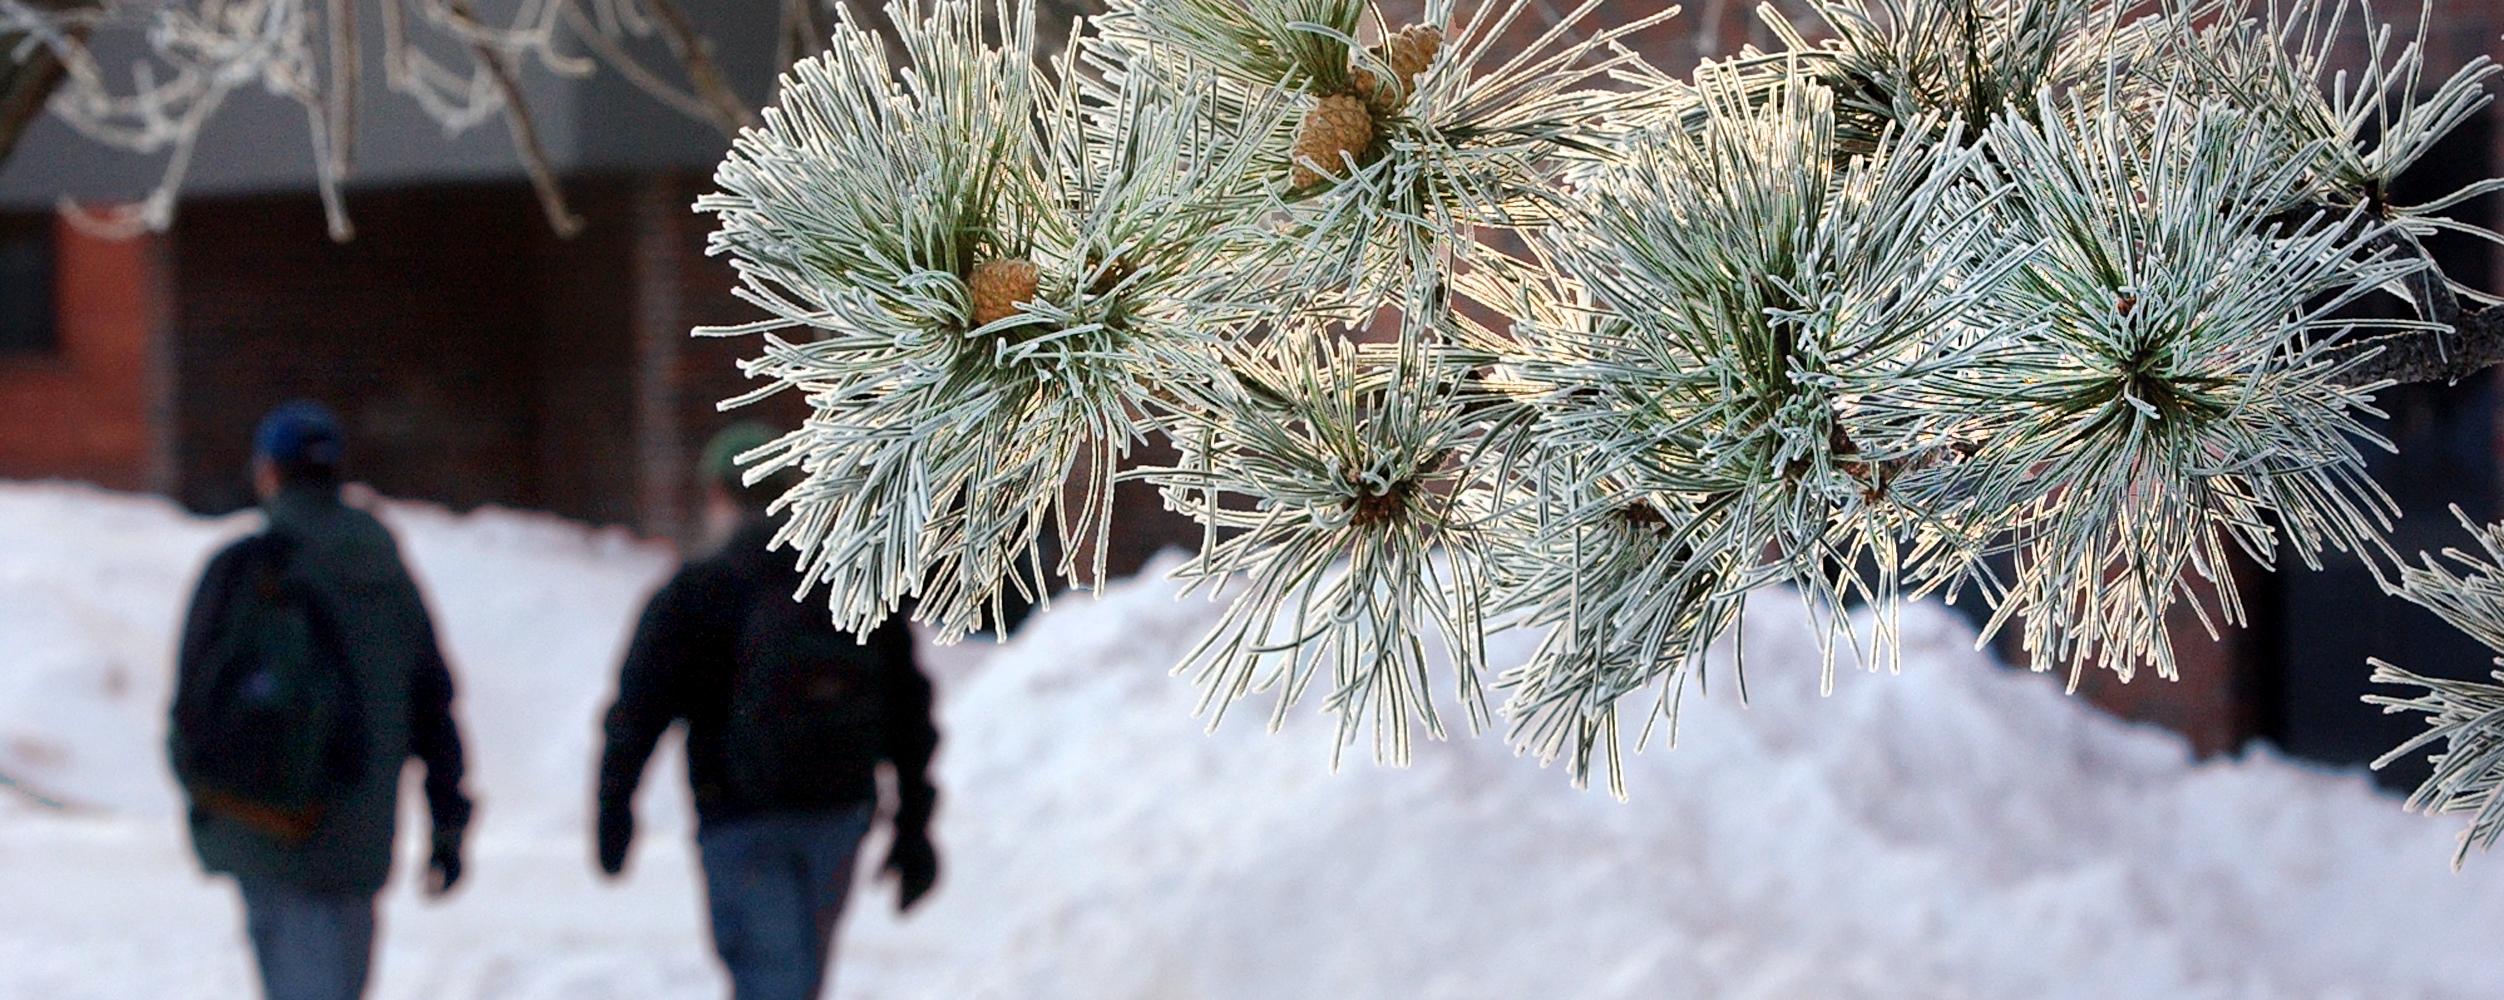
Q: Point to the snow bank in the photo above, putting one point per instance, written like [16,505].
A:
[1957,831]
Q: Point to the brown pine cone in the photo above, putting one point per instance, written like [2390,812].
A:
[1340,124]
[1408,53]
[999,285]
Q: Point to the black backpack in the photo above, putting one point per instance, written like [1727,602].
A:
[806,704]
[268,730]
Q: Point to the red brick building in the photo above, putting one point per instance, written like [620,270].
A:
[79,373]
[476,358]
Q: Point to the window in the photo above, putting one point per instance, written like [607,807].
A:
[29,323]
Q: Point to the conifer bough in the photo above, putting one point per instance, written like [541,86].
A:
[2053,305]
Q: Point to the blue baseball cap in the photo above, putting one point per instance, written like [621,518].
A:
[300,435]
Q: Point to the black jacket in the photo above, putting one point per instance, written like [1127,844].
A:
[680,666]
[403,687]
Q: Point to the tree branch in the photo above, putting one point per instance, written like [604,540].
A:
[2472,343]
[804,31]
[345,58]
[526,143]
[730,114]
[2468,342]
[26,83]
[613,51]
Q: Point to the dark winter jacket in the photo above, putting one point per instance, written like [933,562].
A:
[680,668]
[403,690]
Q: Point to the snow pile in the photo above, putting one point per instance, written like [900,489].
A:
[1957,831]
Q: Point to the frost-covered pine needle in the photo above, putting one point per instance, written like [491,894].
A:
[1331,478]
[2362,114]
[977,278]
[2464,718]
[1894,63]
[1743,299]
[1404,147]
[2167,388]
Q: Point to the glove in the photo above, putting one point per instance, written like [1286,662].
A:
[443,869]
[617,832]
[914,863]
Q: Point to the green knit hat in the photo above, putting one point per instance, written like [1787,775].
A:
[720,464]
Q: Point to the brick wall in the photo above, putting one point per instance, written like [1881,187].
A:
[419,332]
[85,411]
[475,357]
[584,463]
[682,379]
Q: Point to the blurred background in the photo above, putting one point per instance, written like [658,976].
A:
[482,361]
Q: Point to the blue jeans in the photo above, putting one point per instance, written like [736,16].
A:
[310,945]
[775,885]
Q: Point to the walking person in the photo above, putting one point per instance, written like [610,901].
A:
[787,721]
[308,676]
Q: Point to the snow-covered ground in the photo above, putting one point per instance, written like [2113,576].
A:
[1957,831]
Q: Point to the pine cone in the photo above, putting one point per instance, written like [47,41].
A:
[1408,53]
[999,285]
[1340,124]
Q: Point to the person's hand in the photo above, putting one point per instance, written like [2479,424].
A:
[617,832]
[443,869]
[914,863]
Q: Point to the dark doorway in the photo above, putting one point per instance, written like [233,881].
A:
[29,318]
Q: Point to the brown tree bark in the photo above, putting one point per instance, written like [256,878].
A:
[25,84]
[2469,341]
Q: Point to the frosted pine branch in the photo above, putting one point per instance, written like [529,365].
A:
[1333,484]
[1453,340]
[2465,719]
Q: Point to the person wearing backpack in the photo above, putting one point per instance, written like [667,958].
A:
[787,722]
[308,675]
